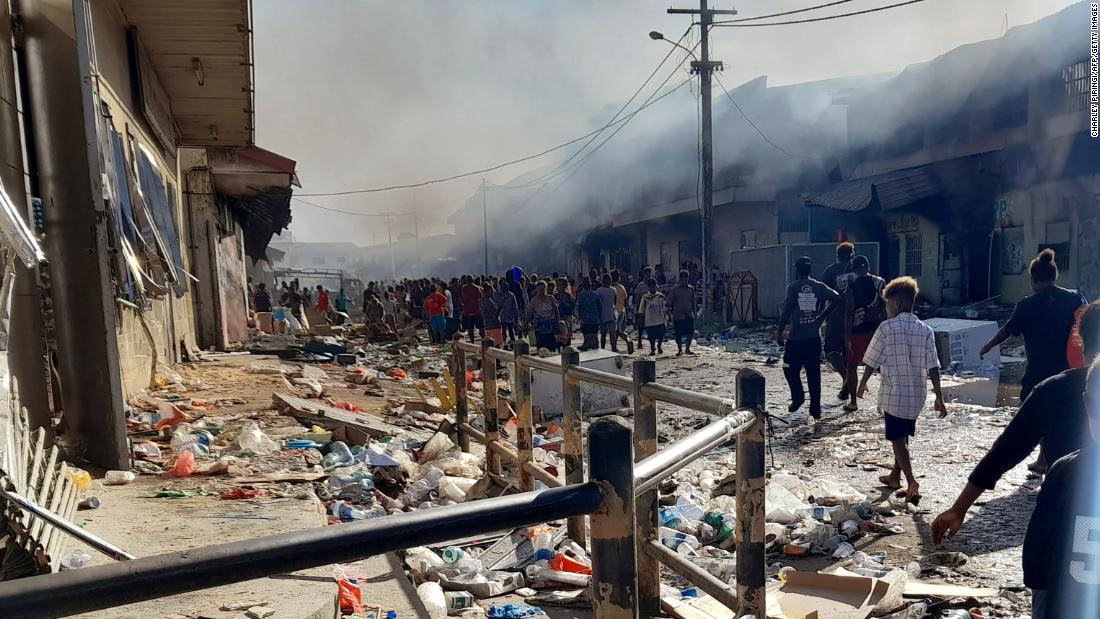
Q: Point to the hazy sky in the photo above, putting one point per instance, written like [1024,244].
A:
[366,93]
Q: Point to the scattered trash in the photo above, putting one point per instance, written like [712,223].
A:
[118,478]
[75,560]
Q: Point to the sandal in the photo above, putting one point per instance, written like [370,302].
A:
[851,408]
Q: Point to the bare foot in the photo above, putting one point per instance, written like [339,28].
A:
[891,482]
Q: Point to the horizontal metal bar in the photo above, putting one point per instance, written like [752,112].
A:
[650,472]
[702,402]
[94,588]
[603,379]
[540,363]
[710,584]
[542,475]
[62,524]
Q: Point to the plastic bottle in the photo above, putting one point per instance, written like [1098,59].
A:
[457,600]
[542,540]
[422,561]
[673,539]
[453,554]
[577,552]
[183,436]
[435,602]
[689,509]
[76,560]
[669,517]
[346,511]
[466,565]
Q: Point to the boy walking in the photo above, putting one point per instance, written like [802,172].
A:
[904,350]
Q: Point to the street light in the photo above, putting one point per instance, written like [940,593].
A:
[657,36]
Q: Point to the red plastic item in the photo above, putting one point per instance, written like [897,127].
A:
[242,493]
[185,465]
[351,598]
[562,563]
[176,419]
[1075,348]
[399,373]
[470,377]
[348,406]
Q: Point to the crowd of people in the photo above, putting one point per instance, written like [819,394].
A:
[601,306]
[294,299]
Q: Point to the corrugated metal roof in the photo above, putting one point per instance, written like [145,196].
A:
[217,112]
[891,190]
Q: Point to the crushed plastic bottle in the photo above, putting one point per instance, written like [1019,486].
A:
[338,455]
[453,554]
[76,560]
[542,540]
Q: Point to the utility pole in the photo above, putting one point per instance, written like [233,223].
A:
[704,67]
[389,232]
[485,223]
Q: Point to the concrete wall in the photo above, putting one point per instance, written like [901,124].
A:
[730,221]
[169,319]
[1062,211]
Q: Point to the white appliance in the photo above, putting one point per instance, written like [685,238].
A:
[959,343]
[546,387]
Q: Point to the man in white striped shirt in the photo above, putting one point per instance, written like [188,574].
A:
[904,350]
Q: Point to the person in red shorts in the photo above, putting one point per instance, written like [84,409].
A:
[864,311]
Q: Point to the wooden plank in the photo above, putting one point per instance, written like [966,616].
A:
[65,482]
[921,589]
[324,415]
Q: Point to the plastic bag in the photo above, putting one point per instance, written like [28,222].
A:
[253,439]
[431,594]
[185,465]
[781,505]
[436,446]
[351,598]
[458,464]
[455,488]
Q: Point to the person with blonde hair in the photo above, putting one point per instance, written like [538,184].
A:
[903,350]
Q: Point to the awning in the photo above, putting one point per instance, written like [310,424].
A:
[201,54]
[259,185]
[891,190]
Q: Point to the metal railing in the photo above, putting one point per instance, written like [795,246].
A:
[624,468]
[743,421]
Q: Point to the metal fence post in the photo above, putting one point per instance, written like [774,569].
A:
[573,448]
[462,411]
[489,400]
[525,420]
[645,445]
[750,498]
[614,546]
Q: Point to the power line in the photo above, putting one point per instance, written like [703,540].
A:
[336,210]
[731,24]
[592,135]
[551,173]
[758,17]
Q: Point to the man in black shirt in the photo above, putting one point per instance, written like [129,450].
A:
[864,310]
[262,300]
[1045,319]
[807,305]
[836,276]
[1065,526]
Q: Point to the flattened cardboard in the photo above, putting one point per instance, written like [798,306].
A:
[809,595]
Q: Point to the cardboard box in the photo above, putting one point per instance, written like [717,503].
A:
[809,595]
